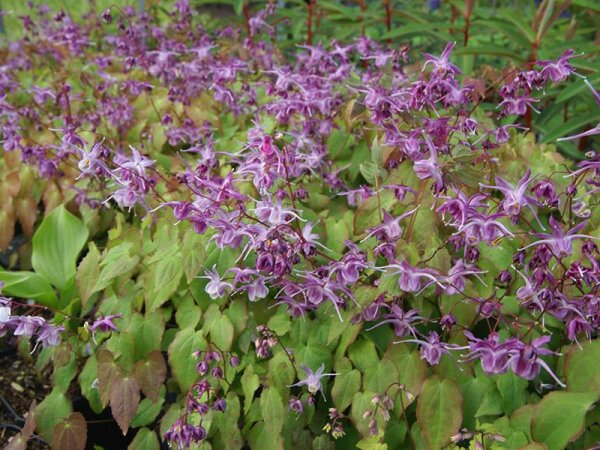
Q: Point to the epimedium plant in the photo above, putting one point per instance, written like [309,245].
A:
[331,249]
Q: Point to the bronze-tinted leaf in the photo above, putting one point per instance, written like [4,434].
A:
[150,373]
[7,228]
[107,372]
[70,434]
[17,442]
[29,426]
[26,209]
[124,401]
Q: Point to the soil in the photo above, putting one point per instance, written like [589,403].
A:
[19,386]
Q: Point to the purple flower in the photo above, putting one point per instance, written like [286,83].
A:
[514,196]
[296,405]
[410,279]
[526,362]
[220,404]
[560,242]
[517,106]
[390,229]
[106,324]
[183,434]
[456,277]
[495,357]
[27,325]
[432,349]
[401,320]
[442,65]
[313,379]
[50,335]
[216,287]
[429,168]
[560,69]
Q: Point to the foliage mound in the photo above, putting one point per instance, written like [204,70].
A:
[333,247]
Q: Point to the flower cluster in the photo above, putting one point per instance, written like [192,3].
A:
[28,326]
[201,398]
[348,181]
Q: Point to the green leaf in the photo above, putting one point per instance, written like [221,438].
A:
[56,246]
[379,377]
[54,408]
[560,417]
[272,410]
[521,419]
[88,273]
[412,369]
[147,332]
[145,439]
[571,126]
[439,411]
[188,313]
[371,443]
[115,263]
[88,375]
[490,49]
[250,384]
[226,424]
[361,402]
[193,251]
[163,281]
[582,367]
[280,323]
[513,390]
[363,355]
[122,345]
[181,361]
[491,404]
[221,333]
[344,387]
[148,411]
[590,4]
[29,285]
[473,391]
[368,213]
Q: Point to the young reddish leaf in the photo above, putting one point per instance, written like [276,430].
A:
[52,410]
[151,374]
[26,209]
[70,434]
[107,372]
[439,411]
[124,401]
[29,426]
[7,228]
[17,442]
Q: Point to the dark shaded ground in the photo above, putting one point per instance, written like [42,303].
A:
[19,386]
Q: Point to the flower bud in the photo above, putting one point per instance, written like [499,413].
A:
[220,404]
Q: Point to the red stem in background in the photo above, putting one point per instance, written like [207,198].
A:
[309,20]
[388,14]
[532,59]
[468,12]
[247,18]
[453,17]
